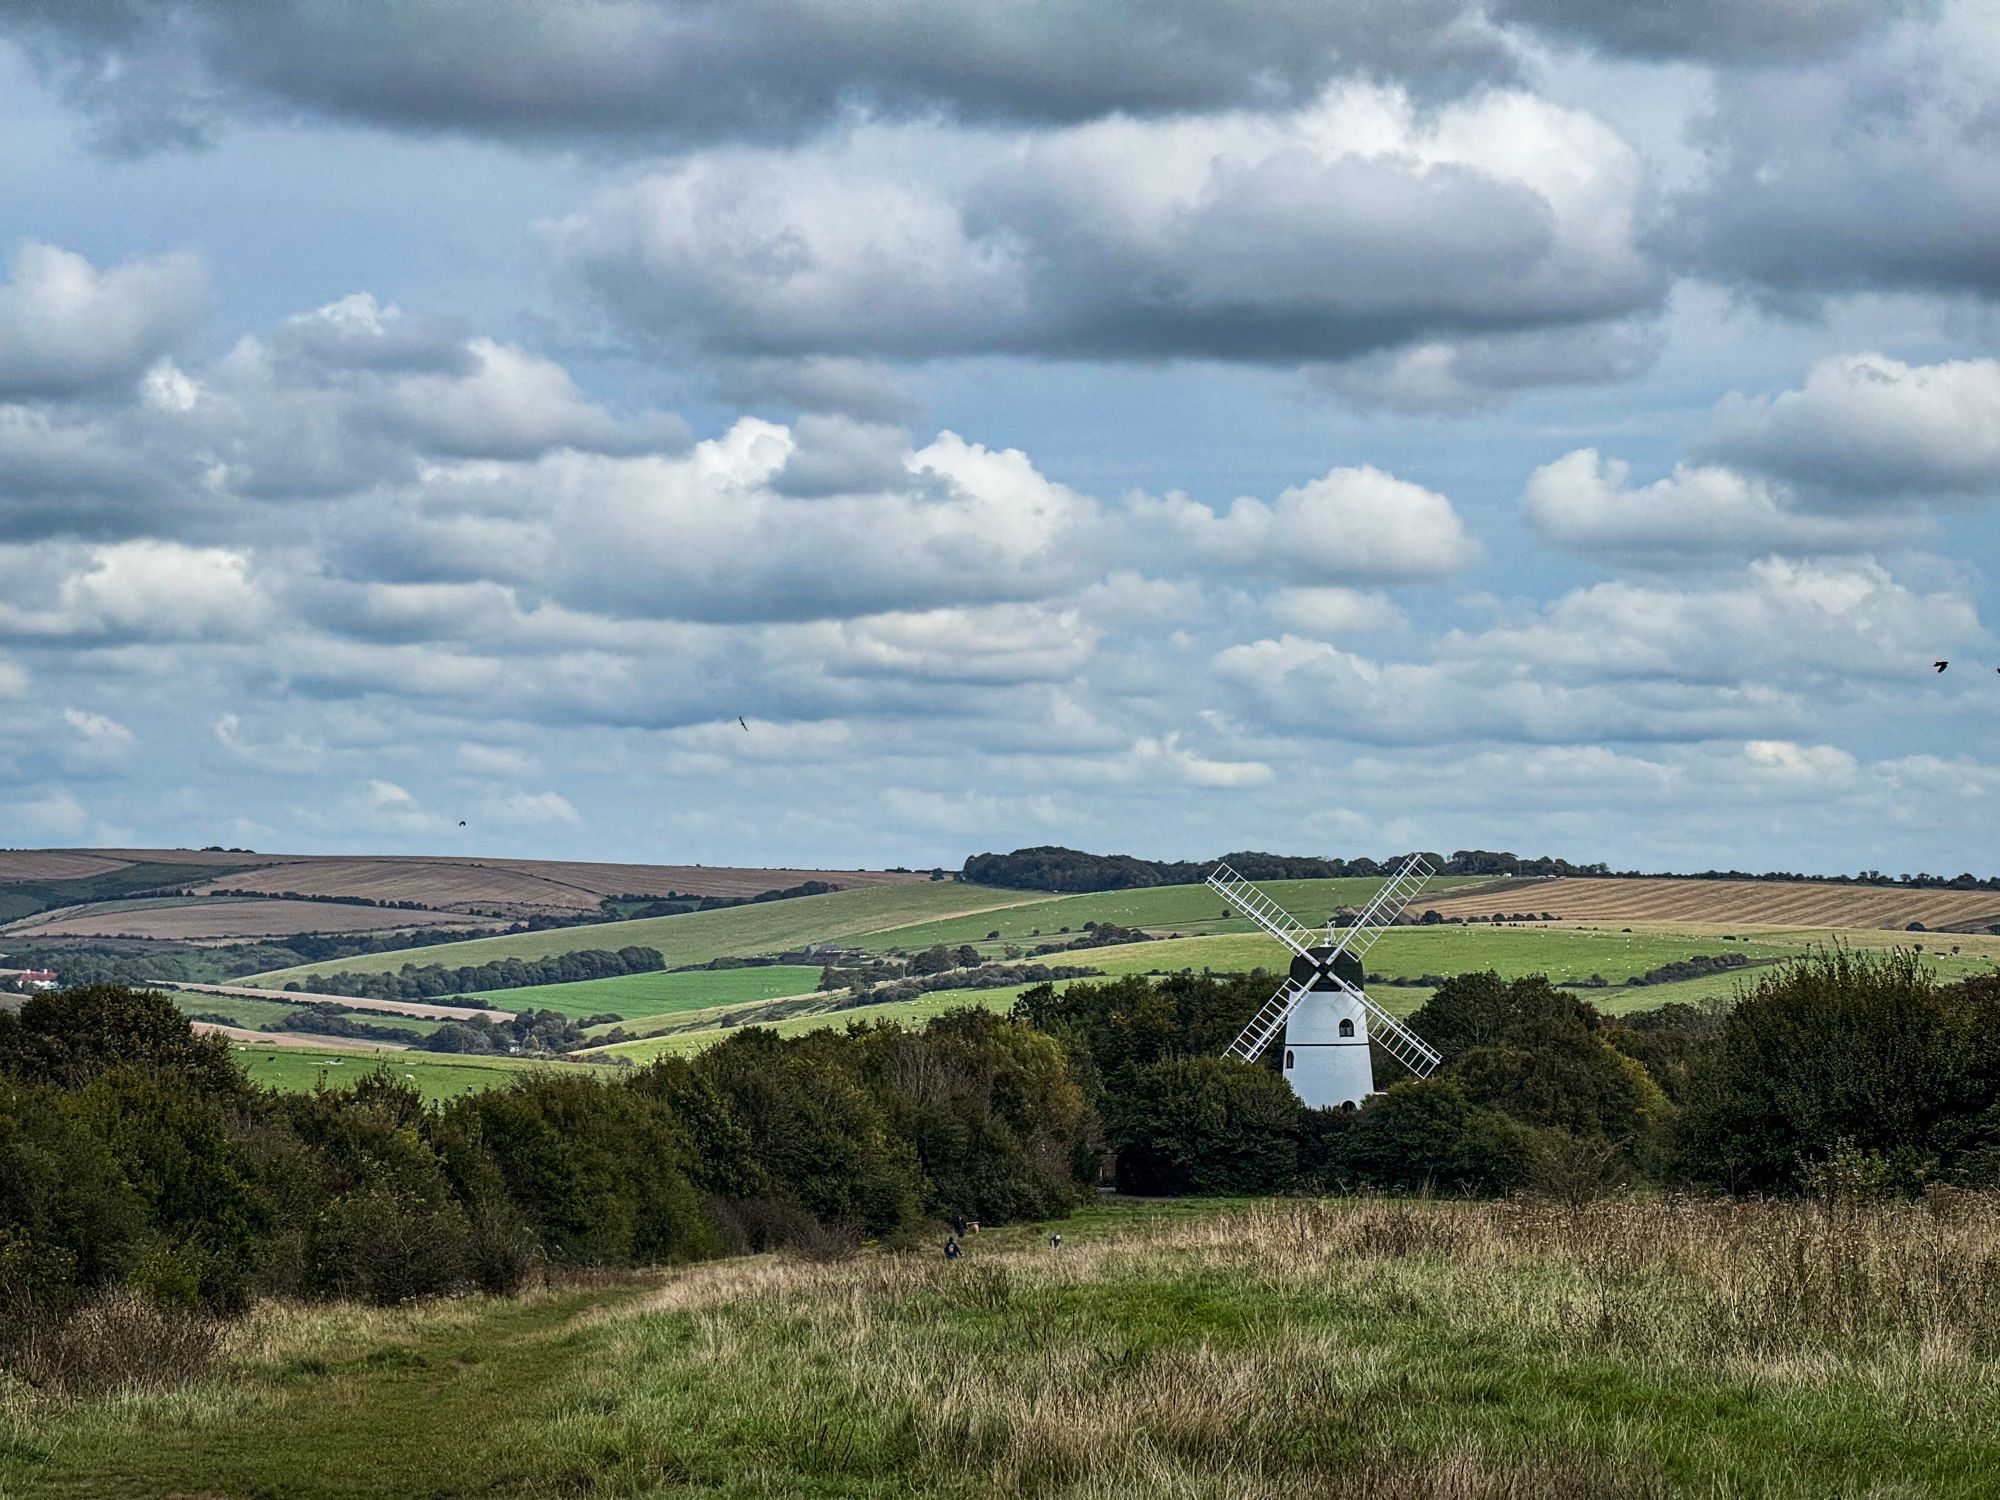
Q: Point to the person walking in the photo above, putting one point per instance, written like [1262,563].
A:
[1055,1241]
[951,1247]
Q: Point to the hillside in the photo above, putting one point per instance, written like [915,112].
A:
[1725,903]
[323,892]
[698,937]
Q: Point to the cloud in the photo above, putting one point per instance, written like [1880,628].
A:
[1871,173]
[66,326]
[663,74]
[1351,525]
[136,590]
[1327,612]
[1718,31]
[55,814]
[1865,428]
[529,809]
[1582,502]
[1759,654]
[1353,225]
[100,740]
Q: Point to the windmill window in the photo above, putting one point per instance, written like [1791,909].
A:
[1288,1059]
[1347,1028]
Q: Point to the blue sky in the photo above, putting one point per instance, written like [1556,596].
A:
[1567,428]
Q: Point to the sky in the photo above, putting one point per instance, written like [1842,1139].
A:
[863,432]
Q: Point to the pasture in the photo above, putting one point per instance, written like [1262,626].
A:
[436,1075]
[635,997]
[1367,1349]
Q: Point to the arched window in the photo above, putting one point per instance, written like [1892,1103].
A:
[1347,1028]
[1288,1059]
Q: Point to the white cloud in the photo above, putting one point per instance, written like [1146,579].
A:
[1583,502]
[1328,612]
[1864,427]
[66,326]
[137,590]
[1352,525]
[55,815]
[529,809]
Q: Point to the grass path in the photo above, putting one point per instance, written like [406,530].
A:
[415,1405]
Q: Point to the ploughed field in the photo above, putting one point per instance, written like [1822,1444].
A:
[1352,1348]
[1769,903]
[414,889]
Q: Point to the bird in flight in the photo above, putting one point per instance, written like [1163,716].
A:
[1942,665]
[461,822]
[746,727]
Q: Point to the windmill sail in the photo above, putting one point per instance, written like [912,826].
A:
[1259,908]
[1268,1022]
[1381,913]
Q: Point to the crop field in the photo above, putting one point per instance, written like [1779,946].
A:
[222,920]
[1189,909]
[1229,1350]
[697,937]
[1729,903]
[518,886]
[635,997]
[438,1075]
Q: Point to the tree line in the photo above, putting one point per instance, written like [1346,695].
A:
[136,1154]
[1839,1067]
[432,981]
[1050,867]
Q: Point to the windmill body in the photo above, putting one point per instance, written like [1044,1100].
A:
[1321,1008]
[1326,1060]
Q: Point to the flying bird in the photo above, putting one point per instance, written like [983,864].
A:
[461,822]
[1942,665]
[746,727]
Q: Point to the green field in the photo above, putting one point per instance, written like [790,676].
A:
[638,996]
[1361,1349]
[437,1075]
[1190,909]
[733,932]
[248,1011]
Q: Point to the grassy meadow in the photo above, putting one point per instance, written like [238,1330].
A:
[638,996]
[1359,1348]
[437,1075]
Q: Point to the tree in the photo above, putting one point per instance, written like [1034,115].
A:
[1846,1052]
[1205,1125]
[1428,1135]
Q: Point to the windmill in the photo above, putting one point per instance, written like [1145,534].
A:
[1320,1007]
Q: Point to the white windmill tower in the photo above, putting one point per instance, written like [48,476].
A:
[1320,1007]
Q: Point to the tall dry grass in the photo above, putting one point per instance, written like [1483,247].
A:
[1355,1348]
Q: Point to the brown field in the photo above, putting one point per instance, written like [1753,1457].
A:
[224,920]
[521,886]
[54,864]
[1745,903]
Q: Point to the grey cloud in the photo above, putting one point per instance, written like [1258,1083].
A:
[653,73]
[1353,225]
[1871,173]
[66,326]
[1719,31]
